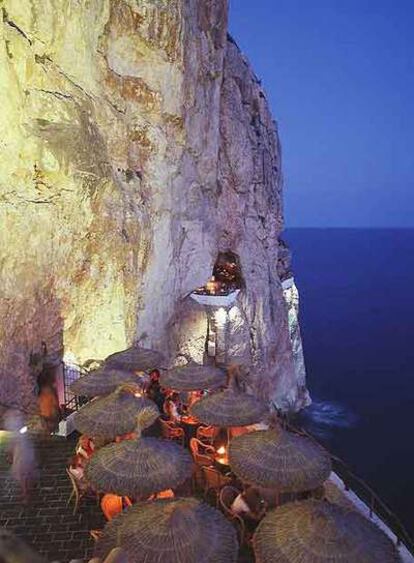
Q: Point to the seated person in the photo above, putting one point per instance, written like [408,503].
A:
[85,446]
[194,396]
[77,469]
[154,377]
[249,504]
[172,407]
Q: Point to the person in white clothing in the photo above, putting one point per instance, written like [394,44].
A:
[172,407]
[21,453]
[249,504]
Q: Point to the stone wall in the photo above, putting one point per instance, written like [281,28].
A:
[136,144]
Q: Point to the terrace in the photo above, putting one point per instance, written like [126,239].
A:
[212,436]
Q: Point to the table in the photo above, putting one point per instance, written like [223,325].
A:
[221,461]
[222,458]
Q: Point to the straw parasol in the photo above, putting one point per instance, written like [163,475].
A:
[116,414]
[193,378]
[281,460]
[135,359]
[229,408]
[139,468]
[101,382]
[318,532]
[171,531]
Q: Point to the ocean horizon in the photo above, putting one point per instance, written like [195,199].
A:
[357,317]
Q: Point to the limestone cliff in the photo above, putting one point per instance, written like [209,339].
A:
[135,145]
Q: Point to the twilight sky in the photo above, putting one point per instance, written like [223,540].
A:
[339,75]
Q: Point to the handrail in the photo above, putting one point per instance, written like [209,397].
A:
[72,403]
[365,493]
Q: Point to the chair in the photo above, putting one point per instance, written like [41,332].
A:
[203,454]
[238,431]
[214,481]
[226,499]
[207,433]
[78,492]
[172,432]
[168,493]
[111,505]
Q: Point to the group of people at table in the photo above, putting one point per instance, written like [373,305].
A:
[250,504]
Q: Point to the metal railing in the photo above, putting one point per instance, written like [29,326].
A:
[72,373]
[362,490]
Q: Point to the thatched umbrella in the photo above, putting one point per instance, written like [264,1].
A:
[183,530]
[139,468]
[116,414]
[318,532]
[135,359]
[281,460]
[229,408]
[193,378]
[101,382]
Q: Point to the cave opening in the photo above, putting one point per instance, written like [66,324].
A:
[226,276]
[218,295]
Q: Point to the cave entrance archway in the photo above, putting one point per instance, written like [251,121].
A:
[218,295]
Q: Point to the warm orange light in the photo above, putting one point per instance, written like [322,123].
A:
[138,394]
[221,450]
[168,493]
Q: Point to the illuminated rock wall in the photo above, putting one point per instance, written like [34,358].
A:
[136,144]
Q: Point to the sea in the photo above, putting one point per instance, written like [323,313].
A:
[357,321]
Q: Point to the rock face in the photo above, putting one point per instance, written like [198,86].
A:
[136,144]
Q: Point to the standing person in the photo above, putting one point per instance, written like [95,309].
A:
[22,454]
[48,401]
[154,390]
[14,549]
[24,466]
[77,469]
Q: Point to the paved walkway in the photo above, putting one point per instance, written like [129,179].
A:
[47,523]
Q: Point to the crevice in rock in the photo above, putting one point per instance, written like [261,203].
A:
[12,24]
[45,59]
[55,93]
